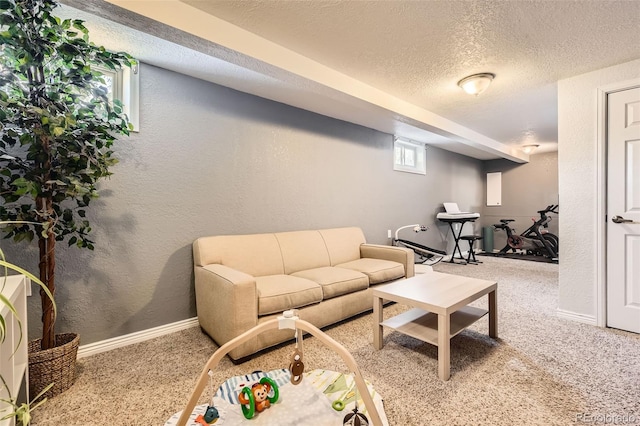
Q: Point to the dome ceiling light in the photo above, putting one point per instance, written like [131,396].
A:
[528,149]
[476,83]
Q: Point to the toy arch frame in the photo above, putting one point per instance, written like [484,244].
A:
[292,322]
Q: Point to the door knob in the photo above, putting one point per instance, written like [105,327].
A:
[620,219]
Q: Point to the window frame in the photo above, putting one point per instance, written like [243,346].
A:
[415,162]
[126,88]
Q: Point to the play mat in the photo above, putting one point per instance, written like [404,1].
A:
[286,396]
[308,403]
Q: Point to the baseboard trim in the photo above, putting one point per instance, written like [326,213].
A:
[132,338]
[573,316]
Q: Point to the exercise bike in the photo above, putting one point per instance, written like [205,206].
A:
[428,256]
[536,240]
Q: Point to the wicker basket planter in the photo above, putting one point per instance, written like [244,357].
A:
[56,365]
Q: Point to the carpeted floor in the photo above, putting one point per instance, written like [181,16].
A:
[541,371]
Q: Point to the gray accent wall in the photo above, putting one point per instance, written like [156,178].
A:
[209,160]
[526,188]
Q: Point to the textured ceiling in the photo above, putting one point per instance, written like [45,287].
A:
[412,52]
[418,50]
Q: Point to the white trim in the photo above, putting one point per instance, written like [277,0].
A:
[574,316]
[131,94]
[125,86]
[137,337]
[419,151]
[600,296]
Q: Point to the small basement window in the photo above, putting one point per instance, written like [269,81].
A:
[123,84]
[409,156]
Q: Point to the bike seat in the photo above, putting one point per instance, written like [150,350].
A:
[505,221]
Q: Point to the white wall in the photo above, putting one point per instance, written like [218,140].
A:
[578,164]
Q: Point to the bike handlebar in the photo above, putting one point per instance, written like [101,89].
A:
[552,208]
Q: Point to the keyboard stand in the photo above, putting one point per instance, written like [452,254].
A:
[456,236]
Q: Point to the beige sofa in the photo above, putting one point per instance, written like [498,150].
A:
[243,280]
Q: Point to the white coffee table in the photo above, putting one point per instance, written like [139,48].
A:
[440,310]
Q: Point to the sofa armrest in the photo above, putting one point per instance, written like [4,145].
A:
[226,301]
[397,254]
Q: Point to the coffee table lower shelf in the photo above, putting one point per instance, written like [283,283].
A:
[423,325]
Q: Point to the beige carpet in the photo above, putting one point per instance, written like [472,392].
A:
[542,371]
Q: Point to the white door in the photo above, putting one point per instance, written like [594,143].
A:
[623,210]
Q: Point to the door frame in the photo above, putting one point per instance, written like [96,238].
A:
[600,296]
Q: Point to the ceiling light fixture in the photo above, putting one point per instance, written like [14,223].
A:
[476,83]
[528,149]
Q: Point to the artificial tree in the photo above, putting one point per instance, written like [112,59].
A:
[57,129]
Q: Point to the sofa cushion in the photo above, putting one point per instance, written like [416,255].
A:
[302,250]
[343,244]
[336,281]
[257,254]
[377,270]
[277,293]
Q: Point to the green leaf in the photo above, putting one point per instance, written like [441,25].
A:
[77,24]
[20,182]
[3,328]
[6,5]
[5,301]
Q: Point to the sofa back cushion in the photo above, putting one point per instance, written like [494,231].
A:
[302,250]
[257,254]
[343,244]
[280,253]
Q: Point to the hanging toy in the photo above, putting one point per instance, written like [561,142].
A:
[211,414]
[257,398]
[296,367]
[355,419]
